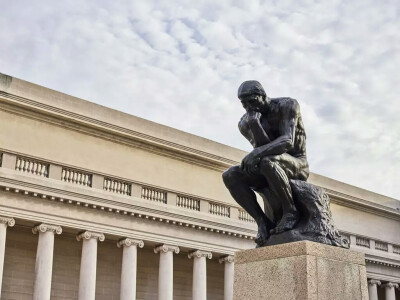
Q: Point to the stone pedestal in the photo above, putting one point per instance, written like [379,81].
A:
[300,271]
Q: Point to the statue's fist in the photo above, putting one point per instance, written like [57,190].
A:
[253,117]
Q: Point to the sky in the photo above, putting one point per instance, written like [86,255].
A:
[179,63]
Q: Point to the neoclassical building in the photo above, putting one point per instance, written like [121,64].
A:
[99,204]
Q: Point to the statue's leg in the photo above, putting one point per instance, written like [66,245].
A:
[239,185]
[279,185]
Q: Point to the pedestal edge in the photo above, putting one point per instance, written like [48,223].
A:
[299,249]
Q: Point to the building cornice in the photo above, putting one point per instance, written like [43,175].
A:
[377,260]
[363,205]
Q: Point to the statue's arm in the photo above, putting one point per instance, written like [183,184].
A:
[250,127]
[260,136]
[287,129]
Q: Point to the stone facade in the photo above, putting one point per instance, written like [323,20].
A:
[78,167]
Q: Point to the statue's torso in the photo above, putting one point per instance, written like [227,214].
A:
[271,121]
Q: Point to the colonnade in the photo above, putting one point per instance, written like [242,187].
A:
[87,278]
[390,293]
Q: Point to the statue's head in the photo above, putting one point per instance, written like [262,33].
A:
[252,95]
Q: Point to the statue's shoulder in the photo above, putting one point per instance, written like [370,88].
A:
[285,103]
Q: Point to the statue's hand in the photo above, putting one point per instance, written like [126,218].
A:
[253,117]
[250,162]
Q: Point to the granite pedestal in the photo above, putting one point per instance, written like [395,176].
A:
[300,271]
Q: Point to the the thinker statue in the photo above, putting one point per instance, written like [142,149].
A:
[277,169]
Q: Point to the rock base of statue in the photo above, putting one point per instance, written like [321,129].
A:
[300,271]
[315,222]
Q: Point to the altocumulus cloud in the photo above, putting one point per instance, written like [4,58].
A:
[179,63]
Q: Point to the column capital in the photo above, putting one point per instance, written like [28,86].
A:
[226,259]
[87,235]
[374,282]
[390,285]
[166,248]
[199,253]
[7,220]
[127,242]
[47,227]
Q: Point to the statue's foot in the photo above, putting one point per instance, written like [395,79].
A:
[287,222]
[262,235]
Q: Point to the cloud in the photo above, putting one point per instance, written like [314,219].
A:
[181,64]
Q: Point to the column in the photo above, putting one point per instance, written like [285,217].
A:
[44,260]
[372,289]
[87,276]
[166,271]
[228,276]
[390,293]
[199,285]
[129,267]
[4,222]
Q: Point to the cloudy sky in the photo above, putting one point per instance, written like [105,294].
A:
[180,62]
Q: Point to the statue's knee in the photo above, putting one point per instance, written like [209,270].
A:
[268,162]
[230,177]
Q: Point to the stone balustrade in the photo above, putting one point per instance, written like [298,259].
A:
[32,166]
[117,186]
[125,188]
[76,177]
[188,202]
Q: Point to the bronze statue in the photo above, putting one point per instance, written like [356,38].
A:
[277,165]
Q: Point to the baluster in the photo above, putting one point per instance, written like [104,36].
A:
[112,185]
[70,176]
[25,165]
[67,176]
[34,166]
[105,183]
[18,163]
[80,178]
[43,170]
[74,176]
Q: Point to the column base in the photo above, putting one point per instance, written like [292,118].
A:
[300,271]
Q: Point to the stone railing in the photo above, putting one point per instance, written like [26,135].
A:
[31,166]
[244,216]
[132,189]
[76,177]
[187,202]
[154,194]
[362,242]
[381,246]
[117,186]
[219,209]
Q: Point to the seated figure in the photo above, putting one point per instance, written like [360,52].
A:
[275,129]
